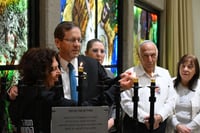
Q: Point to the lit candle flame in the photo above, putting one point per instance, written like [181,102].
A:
[152,78]
[81,64]
[80,68]
[152,74]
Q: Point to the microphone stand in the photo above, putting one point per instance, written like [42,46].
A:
[152,100]
[135,100]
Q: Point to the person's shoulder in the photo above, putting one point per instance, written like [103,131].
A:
[174,78]
[130,69]
[197,86]
[162,71]
[87,58]
[198,82]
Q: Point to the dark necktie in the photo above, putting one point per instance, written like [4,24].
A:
[72,78]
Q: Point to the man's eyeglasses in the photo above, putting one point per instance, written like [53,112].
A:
[96,51]
[73,40]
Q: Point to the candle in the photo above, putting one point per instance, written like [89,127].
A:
[152,100]
[153,80]
[135,97]
[134,78]
[80,68]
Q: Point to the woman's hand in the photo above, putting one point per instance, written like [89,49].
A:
[126,81]
[13,92]
[110,123]
[181,128]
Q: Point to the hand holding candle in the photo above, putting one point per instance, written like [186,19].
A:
[126,81]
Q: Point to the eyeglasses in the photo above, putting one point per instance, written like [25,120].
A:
[54,68]
[96,51]
[73,40]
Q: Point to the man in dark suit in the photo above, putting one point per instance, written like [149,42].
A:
[68,41]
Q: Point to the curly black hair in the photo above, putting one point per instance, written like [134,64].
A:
[36,64]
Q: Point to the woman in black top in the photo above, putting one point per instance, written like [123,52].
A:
[39,72]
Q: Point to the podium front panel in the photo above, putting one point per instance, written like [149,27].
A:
[79,119]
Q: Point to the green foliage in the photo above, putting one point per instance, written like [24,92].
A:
[113,4]
[13,36]
[13,42]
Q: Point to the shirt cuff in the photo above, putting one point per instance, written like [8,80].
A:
[192,125]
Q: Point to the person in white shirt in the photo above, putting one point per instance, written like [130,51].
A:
[186,118]
[164,93]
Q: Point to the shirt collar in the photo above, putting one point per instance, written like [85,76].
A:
[64,63]
[140,71]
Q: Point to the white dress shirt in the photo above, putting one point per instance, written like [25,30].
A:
[65,75]
[165,94]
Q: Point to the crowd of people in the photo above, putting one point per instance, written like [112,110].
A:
[45,83]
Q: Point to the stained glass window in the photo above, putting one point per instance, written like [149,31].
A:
[97,19]
[13,43]
[145,27]
[13,34]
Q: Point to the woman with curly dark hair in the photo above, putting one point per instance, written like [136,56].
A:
[39,72]
[39,64]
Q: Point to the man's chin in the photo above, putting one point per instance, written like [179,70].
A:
[76,54]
